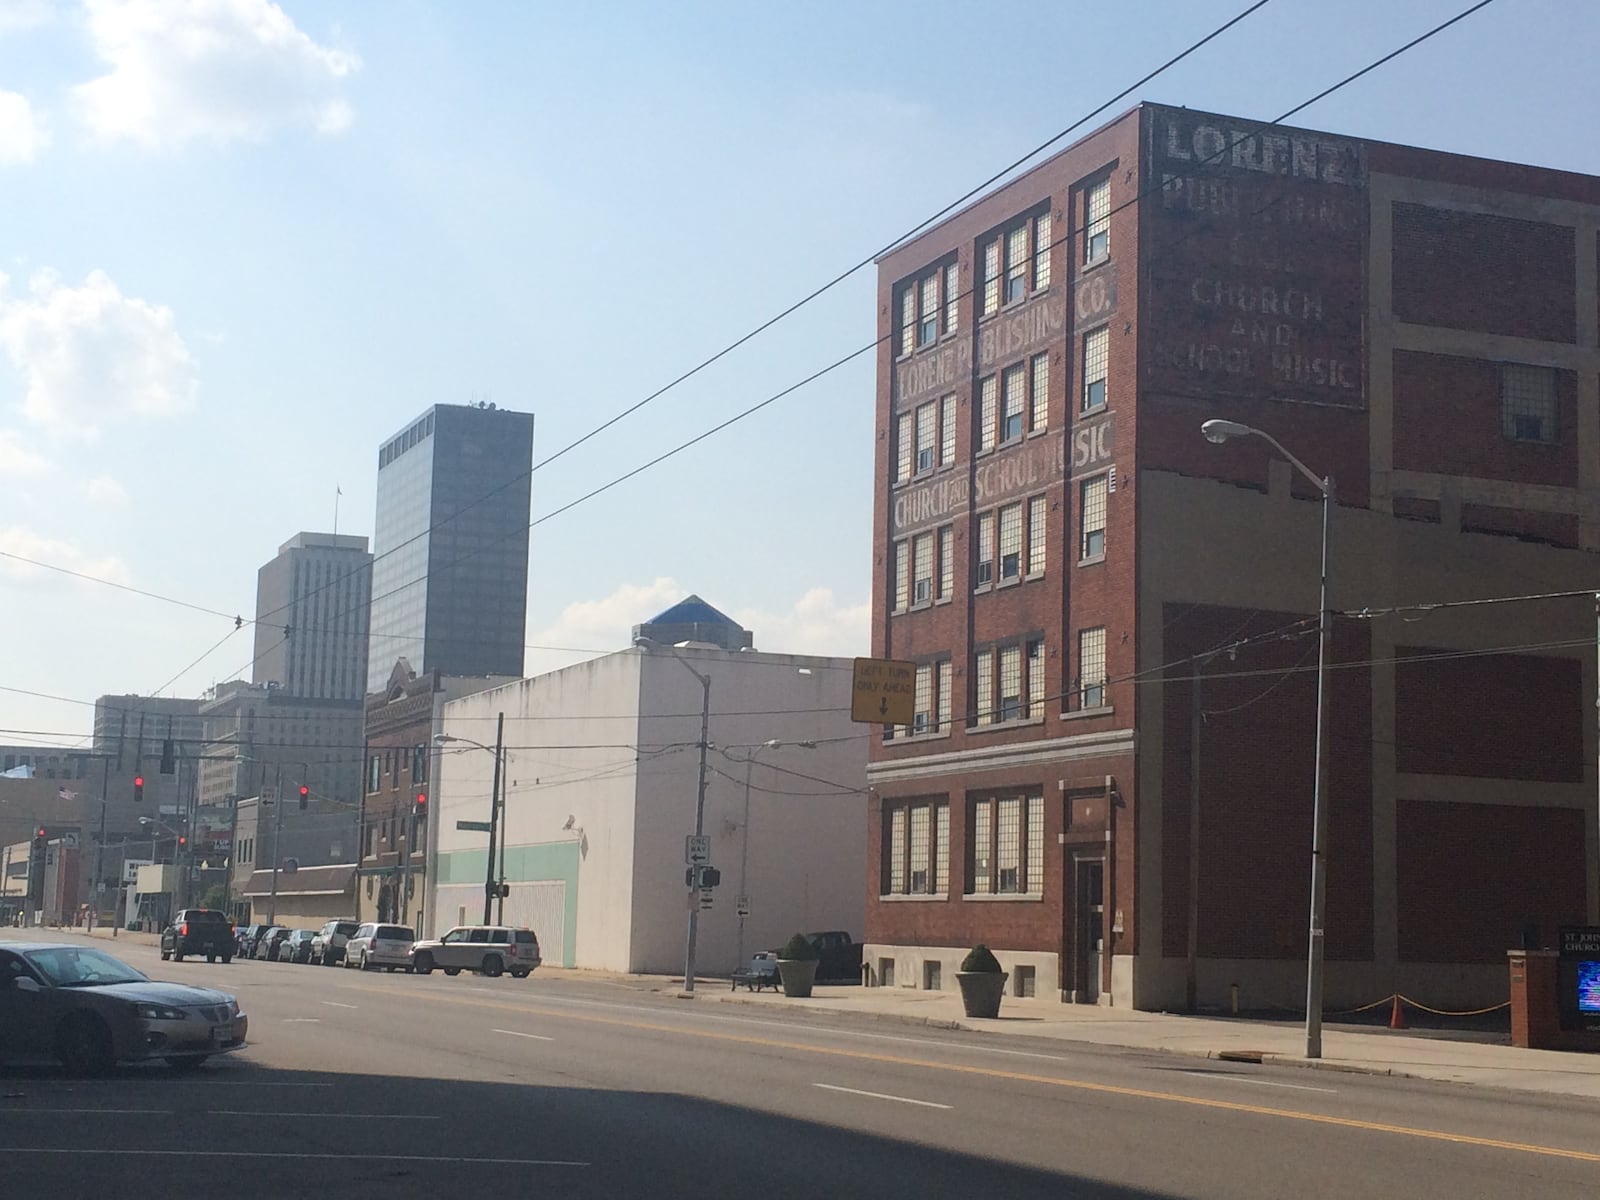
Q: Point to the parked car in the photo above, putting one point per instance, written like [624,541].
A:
[327,947]
[296,947]
[487,949]
[248,937]
[374,945]
[198,931]
[82,1008]
[271,944]
[838,956]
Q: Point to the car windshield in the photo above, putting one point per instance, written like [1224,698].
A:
[69,966]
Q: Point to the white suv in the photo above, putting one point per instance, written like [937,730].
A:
[374,945]
[488,949]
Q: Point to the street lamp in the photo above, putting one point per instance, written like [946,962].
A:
[1218,431]
[744,827]
[692,937]
[491,890]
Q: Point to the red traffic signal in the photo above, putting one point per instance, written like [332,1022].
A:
[182,841]
[138,788]
[41,834]
[422,801]
[305,795]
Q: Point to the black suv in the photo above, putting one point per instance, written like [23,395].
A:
[198,931]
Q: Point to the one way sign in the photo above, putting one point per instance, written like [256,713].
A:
[883,692]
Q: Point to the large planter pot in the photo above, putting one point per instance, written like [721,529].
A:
[797,974]
[981,991]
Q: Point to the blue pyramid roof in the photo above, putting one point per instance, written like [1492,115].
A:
[692,611]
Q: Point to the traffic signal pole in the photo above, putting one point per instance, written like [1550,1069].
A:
[489,886]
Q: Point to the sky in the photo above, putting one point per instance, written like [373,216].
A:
[242,243]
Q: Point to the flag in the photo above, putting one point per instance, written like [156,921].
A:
[63,794]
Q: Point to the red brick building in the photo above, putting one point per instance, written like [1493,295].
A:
[1062,554]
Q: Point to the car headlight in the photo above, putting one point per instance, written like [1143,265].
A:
[160,1012]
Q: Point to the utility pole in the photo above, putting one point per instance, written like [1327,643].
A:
[505,836]
[277,848]
[699,824]
[490,889]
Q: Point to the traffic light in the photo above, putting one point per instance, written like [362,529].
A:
[168,764]
[422,804]
[305,795]
[138,789]
[39,837]
[183,841]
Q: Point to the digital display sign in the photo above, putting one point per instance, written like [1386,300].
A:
[1589,986]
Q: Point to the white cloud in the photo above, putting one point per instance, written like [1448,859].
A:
[16,540]
[89,354]
[23,132]
[216,70]
[17,460]
[816,624]
[106,490]
[600,626]
[16,15]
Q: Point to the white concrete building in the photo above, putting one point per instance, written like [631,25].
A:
[601,771]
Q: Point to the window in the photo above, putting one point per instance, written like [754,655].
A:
[1008,682]
[1039,417]
[419,764]
[1092,668]
[918,849]
[991,278]
[1006,849]
[1528,403]
[931,701]
[1097,224]
[952,296]
[947,561]
[1037,507]
[1013,385]
[1041,252]
[986,413]
[928,326]
[985,574]
[1096,350]
[922,568]
[1092,498]
[922,705]
[908,319]
[1011,542]
[905,448]
[902,575]
[927,437]
[369,834]
[1016,264]
[374,772]
[947,431]
[924,302]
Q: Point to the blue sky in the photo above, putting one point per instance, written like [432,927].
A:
[243,242]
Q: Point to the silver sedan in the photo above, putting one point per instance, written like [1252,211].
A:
[86,1010]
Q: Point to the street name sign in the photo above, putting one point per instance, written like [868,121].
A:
[883,691]
[475,826]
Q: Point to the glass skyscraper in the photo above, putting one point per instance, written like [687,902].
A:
[450,544]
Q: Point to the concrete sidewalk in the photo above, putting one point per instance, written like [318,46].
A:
[1366,1050]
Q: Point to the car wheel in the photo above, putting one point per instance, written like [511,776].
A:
[166,955]
[492,966]
[227,958]
[366,962]
[83,1045]
[452,970]
[184,1063]
[423,964]
[177,956]
[211,956]
[390,970]
[519,974]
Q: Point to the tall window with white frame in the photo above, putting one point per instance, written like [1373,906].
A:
[931,699]
[1528,403]
[1038,507]
[1016,263]
[1013,401]
[922,569]
[927,438]
[928,307]
[901,569]
[1096,356]
[917,844]
[905,444]
[1092,510]
[1010,543]
[947,431]
[1097,222]
[1039,392]
[1092,667]
[1005,852]
[983,574]
[1007,682]
[947,562]
[986,413]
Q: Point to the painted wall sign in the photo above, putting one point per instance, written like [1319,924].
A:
[1258,246]
[1010,335]
[936,369]
[1094,296]
[1005,475]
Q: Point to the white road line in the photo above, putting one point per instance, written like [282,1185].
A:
[302,1020]
[260,1084]
[19,1111]
[1298,1087]
[342,1156]
[219,1112]
[538,1037]
[880,1096]
[336,1004]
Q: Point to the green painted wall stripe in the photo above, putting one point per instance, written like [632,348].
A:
[550,862]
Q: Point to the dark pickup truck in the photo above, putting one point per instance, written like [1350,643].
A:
[198,931]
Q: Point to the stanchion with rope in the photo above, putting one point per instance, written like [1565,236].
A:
[1397,1015]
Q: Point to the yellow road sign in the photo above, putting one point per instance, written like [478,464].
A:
[884,691]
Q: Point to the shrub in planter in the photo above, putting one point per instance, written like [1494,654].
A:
[797,966]
[982,982]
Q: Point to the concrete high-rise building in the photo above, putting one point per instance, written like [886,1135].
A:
[450,572]
[312,602]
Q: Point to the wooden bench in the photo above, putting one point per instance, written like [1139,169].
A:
[761,973]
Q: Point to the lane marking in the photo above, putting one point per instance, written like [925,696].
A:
[350,1156]
[538,1037]
[1080,1085]
[11,1111]
[1226,1078]
[302,1020]
[336,1004]
[832,1087]
[220,1112]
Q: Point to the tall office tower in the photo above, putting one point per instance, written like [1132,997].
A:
[311,617]
[450,567]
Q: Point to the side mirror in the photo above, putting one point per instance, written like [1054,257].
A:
[24,984]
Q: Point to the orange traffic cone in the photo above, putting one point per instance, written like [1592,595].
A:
[1397,1015]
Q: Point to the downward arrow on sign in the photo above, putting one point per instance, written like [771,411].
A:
[883,706]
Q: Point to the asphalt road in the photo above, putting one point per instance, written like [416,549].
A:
[398,1086]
